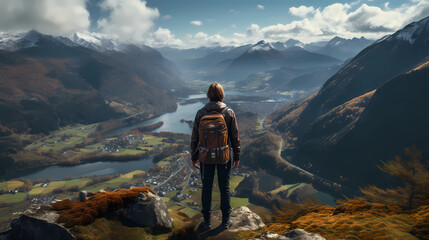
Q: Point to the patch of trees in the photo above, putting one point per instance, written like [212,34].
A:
[97,179]
[413,172]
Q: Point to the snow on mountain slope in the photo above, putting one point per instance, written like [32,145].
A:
[95,41]
[21,40]
[261,46]
[412,31]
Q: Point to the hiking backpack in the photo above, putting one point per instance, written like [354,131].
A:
[213,138]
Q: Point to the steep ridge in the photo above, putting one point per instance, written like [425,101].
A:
[367,71]
[342,133]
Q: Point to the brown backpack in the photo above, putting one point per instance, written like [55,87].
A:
[213,135]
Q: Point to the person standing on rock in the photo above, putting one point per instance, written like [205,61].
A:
[214,133]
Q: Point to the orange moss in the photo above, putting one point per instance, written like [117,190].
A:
[354,219]
[82,213]
[358,206]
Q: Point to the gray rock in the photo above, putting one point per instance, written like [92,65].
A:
[149,211]
[272,236]
[297,234]
[83,195]
[301,234]
[242,219]
[38,222]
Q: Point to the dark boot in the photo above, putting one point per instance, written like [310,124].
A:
[205,224]
[226,222]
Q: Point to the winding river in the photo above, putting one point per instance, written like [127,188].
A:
[171,124]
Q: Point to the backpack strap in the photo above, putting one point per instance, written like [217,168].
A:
[205,112]
[223,112]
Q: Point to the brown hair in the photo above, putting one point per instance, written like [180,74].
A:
[215,92]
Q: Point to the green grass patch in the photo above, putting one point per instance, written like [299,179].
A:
[152,140]
[163,163]
[123,151]
[171,194]
[3,186]
[38,189]
[81,182]
[7,212]
[10,185]
[291,188]
[189,211]
[239,202]
[234,181]
[12,198]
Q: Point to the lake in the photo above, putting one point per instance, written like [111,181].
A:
[84,170]
[171,124]
[172,120]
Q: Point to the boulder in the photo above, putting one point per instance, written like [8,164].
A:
[83,195]
[149,210]
[38,222]
[242,219]
[301,234]
[297,234]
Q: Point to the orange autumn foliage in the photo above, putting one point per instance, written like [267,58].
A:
[74,213]
[354,219]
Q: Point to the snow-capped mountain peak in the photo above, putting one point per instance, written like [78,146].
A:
[261,46]
[94,41]
[412,31]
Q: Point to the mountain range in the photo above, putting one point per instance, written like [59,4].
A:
[317,61]
[49,81]
[367,112]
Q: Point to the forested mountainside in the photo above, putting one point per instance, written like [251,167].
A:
[51,83]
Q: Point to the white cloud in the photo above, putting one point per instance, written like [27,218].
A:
[47,16]
[342,20]
[203,39]
[196,23]
[233,12]
[301,11]
[163,37]
[129,20]
[234,26]
[260,7]
[166,17]
[253,30]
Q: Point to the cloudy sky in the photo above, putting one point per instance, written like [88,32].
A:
[193,23]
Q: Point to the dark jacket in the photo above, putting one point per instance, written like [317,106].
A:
[231,122]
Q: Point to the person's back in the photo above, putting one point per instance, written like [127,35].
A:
[209,153]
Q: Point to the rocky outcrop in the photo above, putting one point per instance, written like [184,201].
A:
[149,210]
[297,234]
[38,222]
[242,219]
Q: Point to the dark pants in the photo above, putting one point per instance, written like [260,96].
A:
[207,175]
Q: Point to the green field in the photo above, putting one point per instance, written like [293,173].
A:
[113,183]
[64,138]
[189,211]
[12,198]
[234,181]
[289,187]
[10,185]
[239,202]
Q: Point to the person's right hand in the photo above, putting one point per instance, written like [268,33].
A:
[235,164]
[196,164]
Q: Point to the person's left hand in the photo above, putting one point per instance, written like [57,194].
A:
[196,164]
